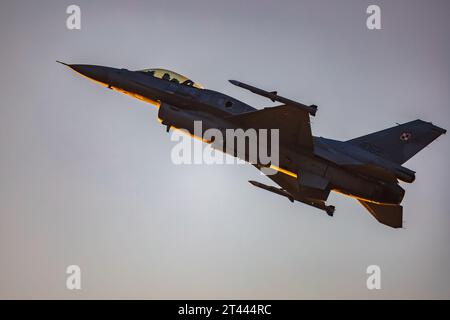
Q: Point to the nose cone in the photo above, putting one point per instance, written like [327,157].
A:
[98,74]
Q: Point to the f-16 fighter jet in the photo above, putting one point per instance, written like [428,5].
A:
[367,168]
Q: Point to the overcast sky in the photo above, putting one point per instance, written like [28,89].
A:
[87,179]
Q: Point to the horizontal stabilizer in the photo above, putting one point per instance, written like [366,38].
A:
[390,215]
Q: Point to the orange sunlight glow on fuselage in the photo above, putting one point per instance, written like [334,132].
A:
[158,103]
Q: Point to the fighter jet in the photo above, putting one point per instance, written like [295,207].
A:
[367,168]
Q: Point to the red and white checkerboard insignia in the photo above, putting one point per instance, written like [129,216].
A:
[405,136]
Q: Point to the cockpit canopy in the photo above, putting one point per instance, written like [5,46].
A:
[171,76]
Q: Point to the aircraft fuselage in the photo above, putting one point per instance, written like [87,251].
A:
[212,108]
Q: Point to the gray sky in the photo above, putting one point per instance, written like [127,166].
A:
[86,176]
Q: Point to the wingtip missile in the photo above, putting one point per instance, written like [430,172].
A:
[235,82]
[272,189]
[312,109]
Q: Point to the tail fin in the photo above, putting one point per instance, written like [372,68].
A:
[398,144]
[390,215]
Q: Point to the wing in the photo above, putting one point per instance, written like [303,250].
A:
[293,123]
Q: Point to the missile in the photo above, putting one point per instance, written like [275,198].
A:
[276,190]
[312,109]
[317,204]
